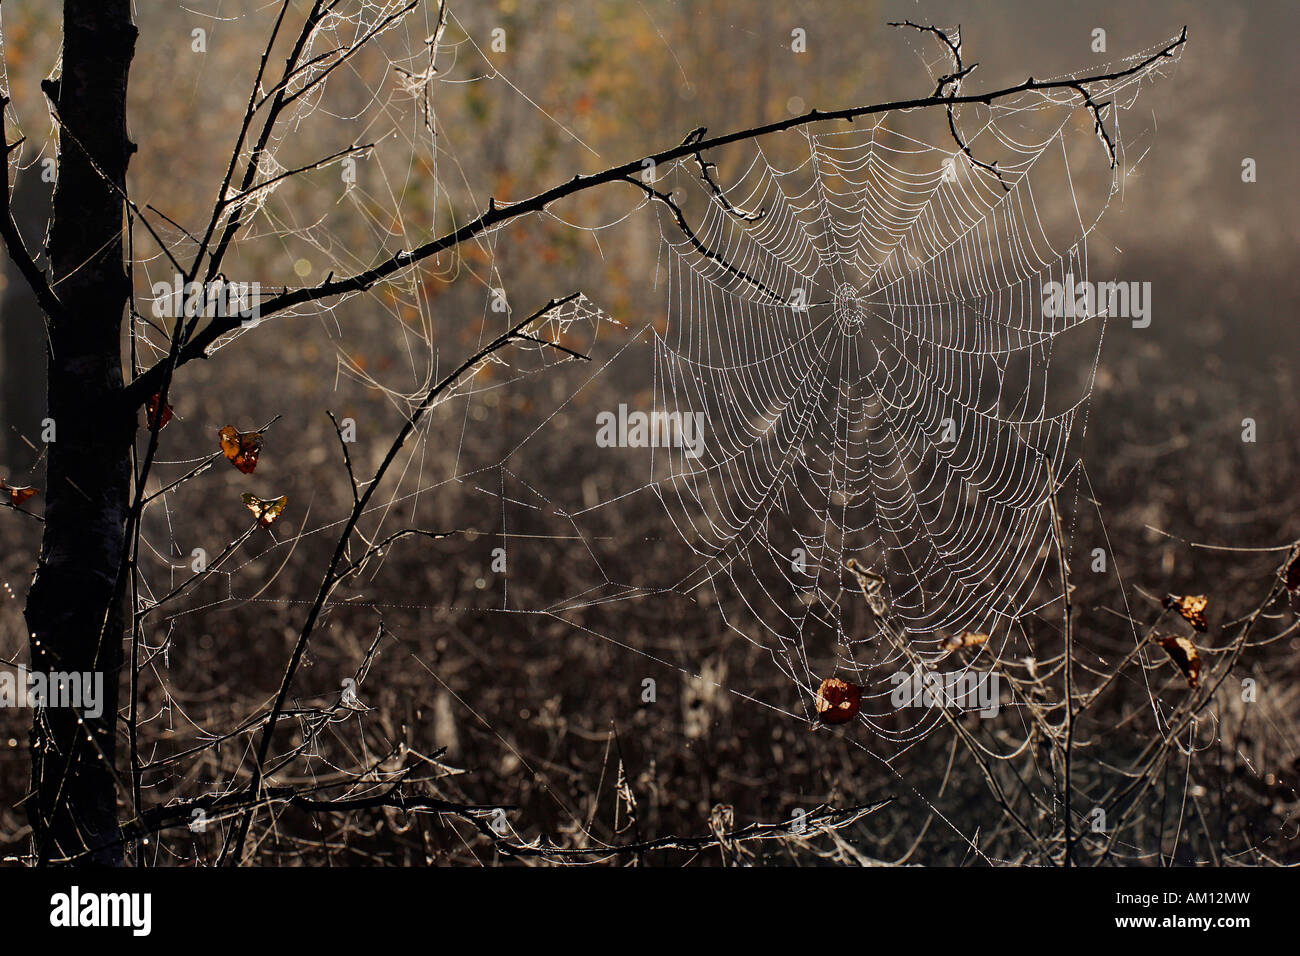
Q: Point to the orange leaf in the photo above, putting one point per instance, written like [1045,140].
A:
[265,510]
[1190,606]
[19,494]
[241,448]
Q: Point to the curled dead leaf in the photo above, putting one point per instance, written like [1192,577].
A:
[265,510]
[1184,654]
[17,494]
[837,701]
[1190,606]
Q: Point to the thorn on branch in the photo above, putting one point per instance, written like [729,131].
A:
[695,135]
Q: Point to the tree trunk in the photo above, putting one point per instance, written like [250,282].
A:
[74,622]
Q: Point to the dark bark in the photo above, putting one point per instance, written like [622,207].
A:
[75,621]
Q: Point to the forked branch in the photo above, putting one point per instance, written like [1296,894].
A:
[498,213]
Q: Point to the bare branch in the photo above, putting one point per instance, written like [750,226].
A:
[713,187]
[332,577]
[13,239]
[1096,109]
[347,457]
[497,215]
[960,72]
[699,246]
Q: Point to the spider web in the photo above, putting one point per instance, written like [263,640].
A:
[858,317]
[863,331]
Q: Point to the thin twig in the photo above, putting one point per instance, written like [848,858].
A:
[497,215]
[332,578]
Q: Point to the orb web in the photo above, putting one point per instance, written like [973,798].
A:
[882,387]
